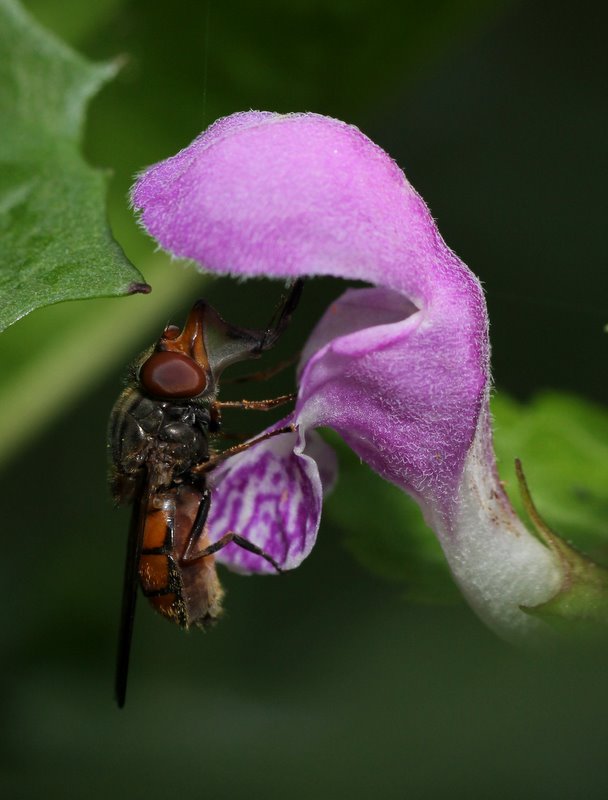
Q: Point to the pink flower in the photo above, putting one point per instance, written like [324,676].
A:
[400,369]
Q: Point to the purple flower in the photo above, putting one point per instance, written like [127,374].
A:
[400,370]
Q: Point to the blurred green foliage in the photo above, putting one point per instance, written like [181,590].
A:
[562,442]
[384,530]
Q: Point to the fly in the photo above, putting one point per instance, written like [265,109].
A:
[159,437]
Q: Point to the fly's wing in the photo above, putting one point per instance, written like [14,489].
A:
[129,592]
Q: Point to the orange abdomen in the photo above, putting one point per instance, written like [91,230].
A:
[187,594]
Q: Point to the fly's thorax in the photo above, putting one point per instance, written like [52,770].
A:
[166,437]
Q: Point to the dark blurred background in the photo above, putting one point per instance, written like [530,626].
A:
[327,682]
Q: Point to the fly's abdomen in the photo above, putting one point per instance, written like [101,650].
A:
[185,593]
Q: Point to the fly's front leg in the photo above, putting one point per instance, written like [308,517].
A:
[228,538]
[207,466]
[280,318]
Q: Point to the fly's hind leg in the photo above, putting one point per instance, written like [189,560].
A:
[191,553]
[228,538]
[198,526]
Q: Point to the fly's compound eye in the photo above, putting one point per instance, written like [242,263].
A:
[172,375]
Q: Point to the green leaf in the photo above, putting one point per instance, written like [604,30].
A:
[55,243]
[580,606]
[563,443]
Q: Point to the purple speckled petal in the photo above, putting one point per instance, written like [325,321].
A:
[272,495]
[401,370]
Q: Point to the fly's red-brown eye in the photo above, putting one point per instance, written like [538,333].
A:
[172,375]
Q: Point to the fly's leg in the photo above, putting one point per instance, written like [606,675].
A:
[252,405]
[280,318]
[207,466]
[264,374]
[191,554]
[189,557]
[198,527]
[215,423]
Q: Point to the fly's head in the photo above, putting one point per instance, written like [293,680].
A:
[185,365]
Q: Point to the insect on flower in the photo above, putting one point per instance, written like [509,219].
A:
[160,433]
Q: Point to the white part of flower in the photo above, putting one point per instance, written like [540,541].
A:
[499,565]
